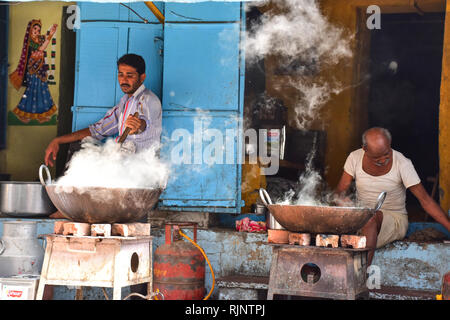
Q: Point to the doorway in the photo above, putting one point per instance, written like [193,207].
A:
[404,96]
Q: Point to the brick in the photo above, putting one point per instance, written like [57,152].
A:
[327,240]
[277,236]
[77,229]
[101,230]
[131,229]
[303,239]
[58,227]
[352,241]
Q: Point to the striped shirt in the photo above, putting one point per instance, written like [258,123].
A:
[143,101]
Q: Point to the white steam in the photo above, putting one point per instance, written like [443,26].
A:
[305,45]
[309,183]
[105,165]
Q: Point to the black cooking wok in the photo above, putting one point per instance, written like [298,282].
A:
[100,204]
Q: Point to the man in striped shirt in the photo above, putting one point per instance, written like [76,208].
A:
[145,128]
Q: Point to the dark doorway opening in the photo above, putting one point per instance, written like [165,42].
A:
[405,67]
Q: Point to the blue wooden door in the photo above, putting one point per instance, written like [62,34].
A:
[202,107]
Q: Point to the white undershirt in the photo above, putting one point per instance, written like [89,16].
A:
[401,176]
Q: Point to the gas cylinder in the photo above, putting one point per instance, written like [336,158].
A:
[179,266]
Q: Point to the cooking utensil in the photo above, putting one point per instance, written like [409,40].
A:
[127,147]
[380,200]
[272,223]
[319,219]
[24,199]
[100,204]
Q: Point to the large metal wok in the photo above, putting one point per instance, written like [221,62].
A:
[320,219]
[99,204]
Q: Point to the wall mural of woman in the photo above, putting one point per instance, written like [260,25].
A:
[31,72]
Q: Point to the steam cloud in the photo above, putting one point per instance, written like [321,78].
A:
[105,165]
[306,46]
[305,43]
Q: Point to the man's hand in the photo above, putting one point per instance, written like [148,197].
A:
[135,124]
[344,202]
[51,152]
[430,206]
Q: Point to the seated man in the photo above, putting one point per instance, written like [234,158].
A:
[377,168]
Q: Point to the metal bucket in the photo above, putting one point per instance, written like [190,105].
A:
[20,250]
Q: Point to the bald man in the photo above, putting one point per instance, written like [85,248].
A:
[376,167]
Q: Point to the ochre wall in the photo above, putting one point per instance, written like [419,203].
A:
[26,144]
[344,117]
[444,119]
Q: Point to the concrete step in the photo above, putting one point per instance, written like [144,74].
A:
[400,293]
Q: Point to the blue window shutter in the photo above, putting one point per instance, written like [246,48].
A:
[147,41]
[202,86]
[96,73]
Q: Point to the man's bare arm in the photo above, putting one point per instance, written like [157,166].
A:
[430,206]
[53,147]
[344,184]
[341,189]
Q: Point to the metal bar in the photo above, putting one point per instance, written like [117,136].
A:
[155,11]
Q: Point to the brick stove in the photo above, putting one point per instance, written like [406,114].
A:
[328,269]
[114,256]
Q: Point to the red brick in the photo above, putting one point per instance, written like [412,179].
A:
[303,239]
[352,241]
[327,240]
[101,230]
[77,229]
[277,236]
[58,227]
[130,229]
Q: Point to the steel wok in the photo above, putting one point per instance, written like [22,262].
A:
[100,204]
[318,219]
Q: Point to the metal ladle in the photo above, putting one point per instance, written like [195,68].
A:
[380,201]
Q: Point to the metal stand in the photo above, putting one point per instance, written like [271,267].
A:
[113,262]
[320,272]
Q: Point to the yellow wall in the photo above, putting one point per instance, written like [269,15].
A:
[26,144]
[444,119]
[344,117]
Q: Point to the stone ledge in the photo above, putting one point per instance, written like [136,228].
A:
[243,282]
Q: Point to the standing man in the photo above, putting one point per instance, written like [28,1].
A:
[145,128]
[376,167]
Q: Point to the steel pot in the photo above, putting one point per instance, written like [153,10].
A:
[272,223]
[24,199]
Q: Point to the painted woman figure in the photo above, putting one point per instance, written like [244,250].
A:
[36,102]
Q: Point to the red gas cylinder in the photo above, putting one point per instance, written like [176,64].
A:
[446,286]
[179,266]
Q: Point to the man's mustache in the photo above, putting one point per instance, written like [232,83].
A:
[380,164]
